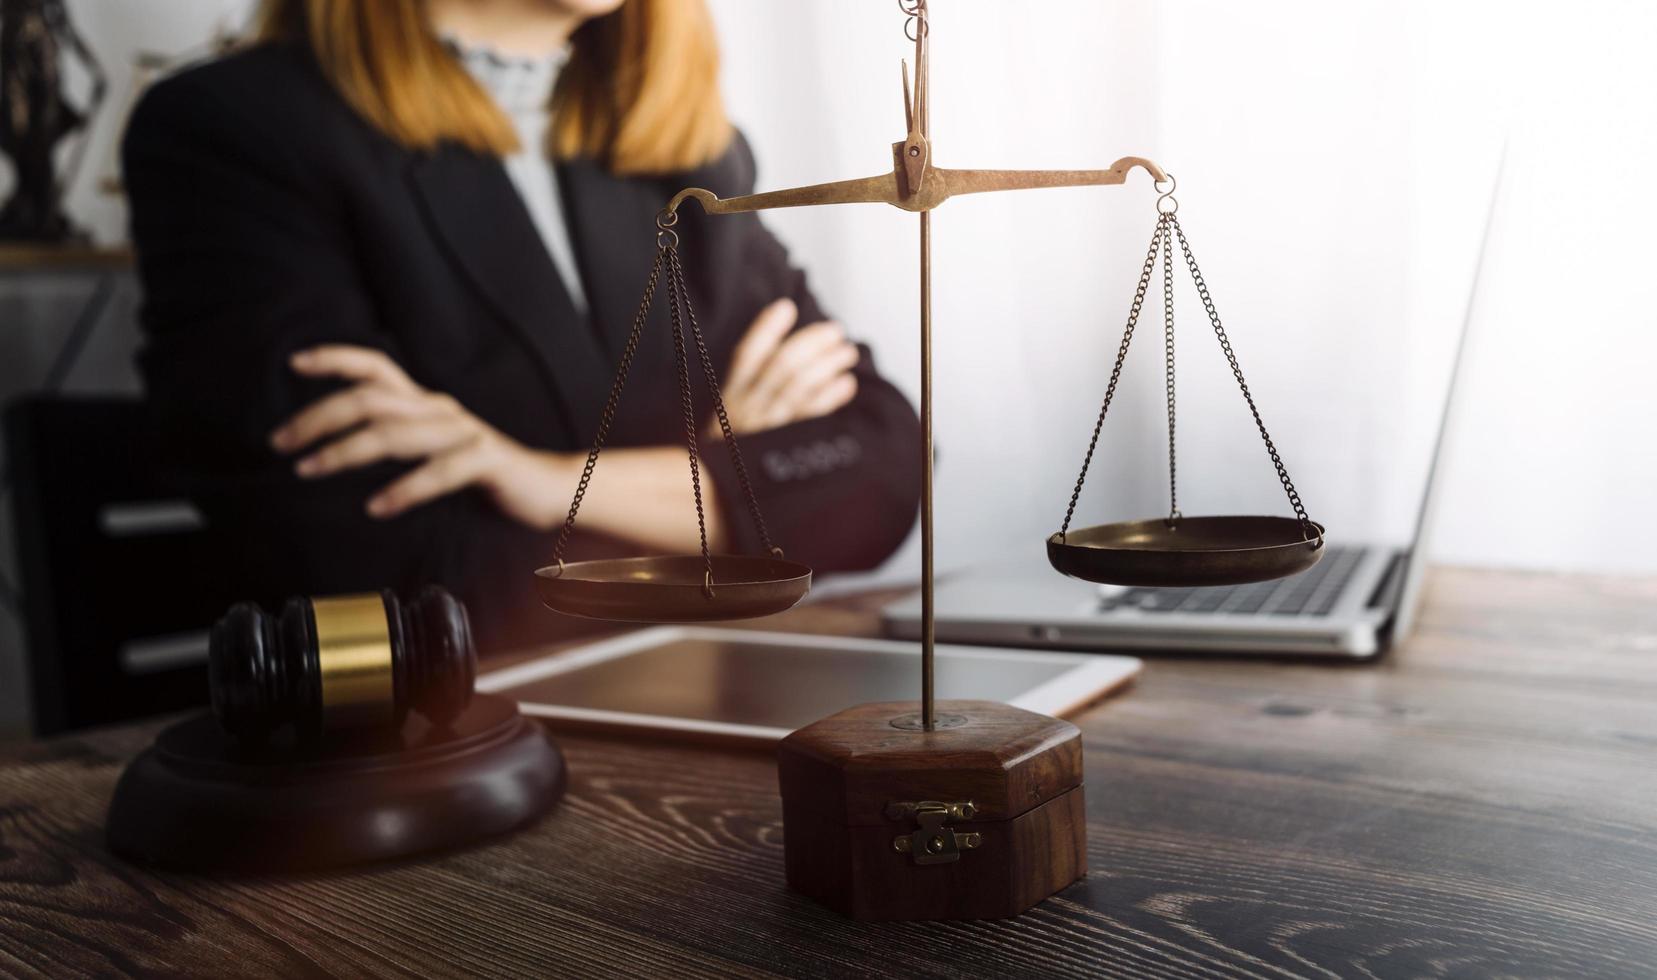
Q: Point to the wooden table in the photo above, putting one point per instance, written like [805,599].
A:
[1483,802]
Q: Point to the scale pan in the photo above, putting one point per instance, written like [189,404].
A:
[669,589]
[1189,551]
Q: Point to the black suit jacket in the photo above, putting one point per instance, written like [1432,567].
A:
[268,217]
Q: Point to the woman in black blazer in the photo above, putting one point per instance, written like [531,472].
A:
[368,364]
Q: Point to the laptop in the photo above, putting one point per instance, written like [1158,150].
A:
[1354,603]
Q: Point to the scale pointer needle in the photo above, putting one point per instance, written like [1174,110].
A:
[908,106]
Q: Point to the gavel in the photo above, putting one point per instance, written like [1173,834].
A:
[351,661]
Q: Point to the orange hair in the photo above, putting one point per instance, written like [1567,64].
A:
[640,93]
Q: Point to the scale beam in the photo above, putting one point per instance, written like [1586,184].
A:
[984,181]
[939,185]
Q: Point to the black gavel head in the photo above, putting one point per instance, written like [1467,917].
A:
[344,661]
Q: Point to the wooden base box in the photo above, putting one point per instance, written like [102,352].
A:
[981,818]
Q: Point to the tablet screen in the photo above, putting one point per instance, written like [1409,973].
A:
[779,682]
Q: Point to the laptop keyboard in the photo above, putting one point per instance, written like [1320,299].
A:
[1311,593]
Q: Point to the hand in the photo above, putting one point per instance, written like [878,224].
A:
[778,377]
[385,415]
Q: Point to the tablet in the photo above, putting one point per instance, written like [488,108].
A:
[749,686]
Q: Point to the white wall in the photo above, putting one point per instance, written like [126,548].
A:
[1558,461]
[1334,161]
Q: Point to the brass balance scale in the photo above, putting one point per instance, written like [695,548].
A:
[859,752]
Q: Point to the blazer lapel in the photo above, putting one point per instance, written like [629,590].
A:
[477,213]
[613,228]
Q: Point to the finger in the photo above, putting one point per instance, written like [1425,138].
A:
[802,395]
[828,399]
[391,439]
[796,353]
[798,397]
[756,346]
[819,371]
[342,410]
[441,475]
[355,363]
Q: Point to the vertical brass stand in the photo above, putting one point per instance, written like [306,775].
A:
[929,720]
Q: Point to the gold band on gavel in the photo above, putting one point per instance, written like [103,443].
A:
[353,648]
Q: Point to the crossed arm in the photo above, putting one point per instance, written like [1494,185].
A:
[778,376]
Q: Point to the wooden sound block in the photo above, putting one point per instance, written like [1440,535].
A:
[200,800]
[981,818]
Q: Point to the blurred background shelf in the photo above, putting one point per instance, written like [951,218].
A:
[23,259]
[67,325]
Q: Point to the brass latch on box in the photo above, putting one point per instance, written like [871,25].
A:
[933,843]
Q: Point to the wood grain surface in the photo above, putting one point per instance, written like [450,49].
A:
[1481,803]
